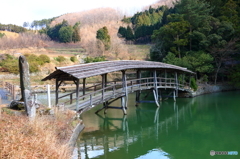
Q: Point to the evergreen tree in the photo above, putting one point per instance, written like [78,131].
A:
[129,33]
[76,35]
[65,34]
[102,35]
[122,31]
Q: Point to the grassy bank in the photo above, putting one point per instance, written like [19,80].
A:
[44,137]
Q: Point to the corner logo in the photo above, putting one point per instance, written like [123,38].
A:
[212,152]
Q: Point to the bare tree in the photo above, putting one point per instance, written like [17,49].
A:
[222,55]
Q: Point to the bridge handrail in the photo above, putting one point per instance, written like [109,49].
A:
[130,84]
[140,83]
[95,85]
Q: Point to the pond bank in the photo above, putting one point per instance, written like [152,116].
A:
[208,88]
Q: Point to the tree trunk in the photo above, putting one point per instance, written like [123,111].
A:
[216,74]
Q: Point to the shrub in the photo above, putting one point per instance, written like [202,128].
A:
[11,66]
[9,63]
[43,59]
[94,59]
[60,59]
[193,84]
[73,59]
[33,66]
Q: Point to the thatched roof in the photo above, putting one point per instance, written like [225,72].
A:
[99,68]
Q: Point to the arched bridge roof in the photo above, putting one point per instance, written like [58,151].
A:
[98,68]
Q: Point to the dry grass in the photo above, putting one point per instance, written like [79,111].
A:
[44,137]
[10,34]
[23,40]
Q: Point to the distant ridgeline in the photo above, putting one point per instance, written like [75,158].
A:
[143,24]
[12,28]
[19,29]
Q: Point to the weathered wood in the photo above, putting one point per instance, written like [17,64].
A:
[77,95]
[98,68]
[101,95]
[155,97]
[56,92]
[155,83]
[84,86]
[49,96]
[177,84]
[123,103]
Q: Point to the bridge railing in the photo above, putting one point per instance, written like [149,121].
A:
[116,88]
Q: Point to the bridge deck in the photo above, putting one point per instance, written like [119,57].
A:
[122,88]
[115,91]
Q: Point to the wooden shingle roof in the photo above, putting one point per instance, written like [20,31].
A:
[99,68]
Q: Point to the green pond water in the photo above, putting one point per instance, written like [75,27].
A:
[186,129]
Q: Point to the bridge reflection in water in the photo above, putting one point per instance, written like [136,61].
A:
[118,136]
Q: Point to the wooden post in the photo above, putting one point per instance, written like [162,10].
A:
[123,81]
[71,98]
[105,79]
[126,89]
[138,93]
[49,96]
[165,79]
[155,97]
[90,100]
[77,94]
[155,83]
[176,82]
[103,85]
[123,103]
[84,86]
[56,92]
[174,98]
[139,77]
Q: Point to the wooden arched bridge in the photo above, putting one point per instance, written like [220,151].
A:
[135,77]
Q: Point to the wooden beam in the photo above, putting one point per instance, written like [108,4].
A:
[77,94]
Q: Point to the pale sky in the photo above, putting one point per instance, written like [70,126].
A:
[19,11]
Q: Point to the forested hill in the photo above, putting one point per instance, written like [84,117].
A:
[202,36]
[12,28]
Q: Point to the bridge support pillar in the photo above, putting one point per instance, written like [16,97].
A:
[174,96]
[138,94]
[124,105]
[155,97]
[77,94]
[155,91]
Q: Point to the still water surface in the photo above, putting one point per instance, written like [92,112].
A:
[187,129]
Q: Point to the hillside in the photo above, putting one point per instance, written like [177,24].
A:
[91,21]
[10,34]
[168,3]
